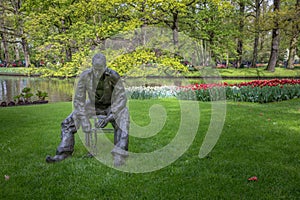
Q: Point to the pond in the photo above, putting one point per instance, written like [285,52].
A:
[57,89]
[62,89]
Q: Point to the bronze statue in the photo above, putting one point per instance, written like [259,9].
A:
[99,92]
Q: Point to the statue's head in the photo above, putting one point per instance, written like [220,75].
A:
[99,63]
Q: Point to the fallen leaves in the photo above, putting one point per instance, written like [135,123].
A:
[253,178]
[6,177]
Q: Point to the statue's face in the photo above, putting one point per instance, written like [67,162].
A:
[99,64]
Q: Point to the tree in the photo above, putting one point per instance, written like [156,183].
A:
[12,22]
[172,11]
[241,25]
[275,39]
[257,9]
[211,23]
[4,31]
[294,36]
[66,30]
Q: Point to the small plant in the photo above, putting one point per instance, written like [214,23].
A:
[24,96]
[41,95]
[19,99]
[27,94]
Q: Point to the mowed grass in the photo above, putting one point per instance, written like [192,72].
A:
[260,140]
[259,72]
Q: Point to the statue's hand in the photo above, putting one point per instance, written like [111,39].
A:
[102,123]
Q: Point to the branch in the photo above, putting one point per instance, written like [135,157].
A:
[8,29]
[10,33]
[250,15]
[190,3]
[6,8]
[13,42]
[168,23]
[260,2]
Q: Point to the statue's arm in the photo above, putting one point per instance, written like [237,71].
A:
[80,97]
[79,102]
[119,98]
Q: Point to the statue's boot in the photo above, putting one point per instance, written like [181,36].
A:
[66,146]
[119,155]
[57,158]
[119,160]
[64,150]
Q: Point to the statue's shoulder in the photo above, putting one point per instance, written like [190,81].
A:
[112,74]
[85,74]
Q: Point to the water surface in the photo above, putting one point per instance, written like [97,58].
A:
[57,89]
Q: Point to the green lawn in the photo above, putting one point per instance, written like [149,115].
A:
[260,140]
[12,70]
[259,72]
[248,72]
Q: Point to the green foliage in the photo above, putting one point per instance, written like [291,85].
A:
[24,96]
[41,95]
[144,62]
[27,94]
[18,98]
[213,27]
[58,30]
[63,69]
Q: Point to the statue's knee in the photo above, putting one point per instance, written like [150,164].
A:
[69,125]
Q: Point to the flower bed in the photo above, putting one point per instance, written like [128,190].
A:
[144,92]
[262,91]
[271,83]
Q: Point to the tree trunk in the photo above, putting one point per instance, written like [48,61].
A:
[239,52]
[26,52]
[294,39]
[67,48]
[206,53]
[144,34]
[5,48]
[1,49]
[68,53]
[241,30]
[255,50]
[175,29]
[275,41]
[256,38]
[292,52]
[17,53]
[263,33]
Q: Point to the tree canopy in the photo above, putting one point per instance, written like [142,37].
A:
[60,35]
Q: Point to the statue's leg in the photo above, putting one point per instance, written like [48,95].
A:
[66,146]
[90,111]
[121,137]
